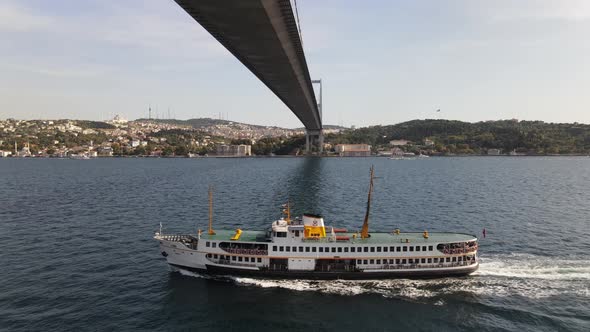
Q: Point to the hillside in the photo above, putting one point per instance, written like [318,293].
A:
[201,122]
[533,137]
[207,122]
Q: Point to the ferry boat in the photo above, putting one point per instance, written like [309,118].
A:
[306,248]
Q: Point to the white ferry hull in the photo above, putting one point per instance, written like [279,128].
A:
[367,275]
[180,256]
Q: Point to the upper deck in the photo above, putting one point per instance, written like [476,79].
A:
[376,237]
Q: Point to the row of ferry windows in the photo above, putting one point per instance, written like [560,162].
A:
[410,260]
[236,258]
[352,249]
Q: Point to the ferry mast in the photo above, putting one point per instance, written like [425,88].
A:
[365,230]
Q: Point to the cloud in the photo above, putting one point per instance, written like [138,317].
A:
[156,28]
[86,39]
[170,33]
[571,10]
[56,71]
[16,18]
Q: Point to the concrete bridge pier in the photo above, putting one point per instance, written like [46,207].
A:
[314,137]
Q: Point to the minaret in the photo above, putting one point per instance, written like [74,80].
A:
[15,149]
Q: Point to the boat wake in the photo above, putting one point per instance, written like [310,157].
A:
[527,266]
[500,275]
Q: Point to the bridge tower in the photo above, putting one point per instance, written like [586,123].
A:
[315,137]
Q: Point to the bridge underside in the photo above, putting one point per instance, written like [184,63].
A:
[263,35]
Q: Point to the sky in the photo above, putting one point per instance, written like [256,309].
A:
[381,62]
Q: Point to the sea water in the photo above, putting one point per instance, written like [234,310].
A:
[77,251]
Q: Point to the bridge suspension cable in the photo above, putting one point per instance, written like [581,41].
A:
[298,24]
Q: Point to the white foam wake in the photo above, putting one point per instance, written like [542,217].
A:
[535,267]
[501,275]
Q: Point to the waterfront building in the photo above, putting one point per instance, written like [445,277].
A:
[5,153]
[241,150]
[494,152]
[353,150]
[399,142]
[24,152]
[397,152]
[105,151]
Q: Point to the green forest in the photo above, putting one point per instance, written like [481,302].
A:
[530,137]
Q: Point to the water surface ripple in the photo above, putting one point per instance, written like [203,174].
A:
[78,255]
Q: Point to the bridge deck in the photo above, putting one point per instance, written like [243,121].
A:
[263,35]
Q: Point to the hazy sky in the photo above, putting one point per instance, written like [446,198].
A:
[382,62]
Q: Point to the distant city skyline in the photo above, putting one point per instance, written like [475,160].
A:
[382,62]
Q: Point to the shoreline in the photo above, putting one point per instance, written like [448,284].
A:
[291,156]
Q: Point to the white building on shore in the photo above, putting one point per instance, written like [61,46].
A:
[241,150]
[353,150]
